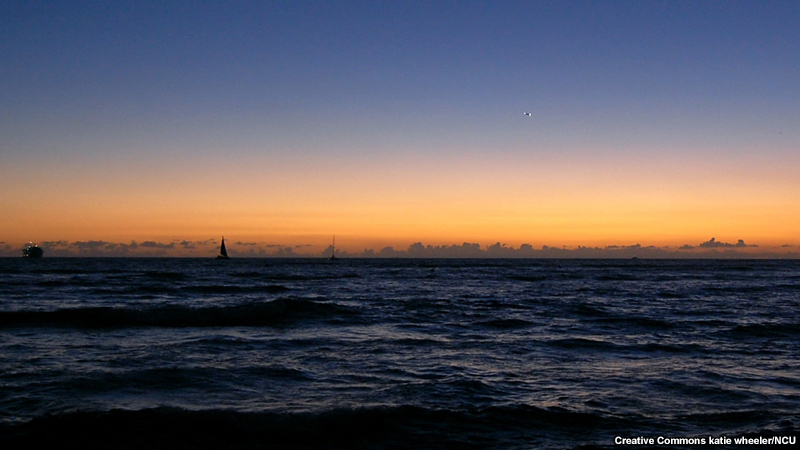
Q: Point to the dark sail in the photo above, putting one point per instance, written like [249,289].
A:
[223,252]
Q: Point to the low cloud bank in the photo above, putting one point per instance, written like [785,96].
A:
[209,247]
[112,249]
[713,243]
[708,249]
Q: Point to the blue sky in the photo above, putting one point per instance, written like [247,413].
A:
[606,68]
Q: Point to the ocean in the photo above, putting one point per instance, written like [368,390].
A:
[170,353]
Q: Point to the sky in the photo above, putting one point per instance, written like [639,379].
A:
[280,124]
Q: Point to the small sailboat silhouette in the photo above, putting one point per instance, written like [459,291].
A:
[223,252]
[333,250]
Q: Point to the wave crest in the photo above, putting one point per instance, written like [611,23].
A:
[248,314]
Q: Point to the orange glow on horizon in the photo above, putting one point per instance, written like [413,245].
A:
[395,201]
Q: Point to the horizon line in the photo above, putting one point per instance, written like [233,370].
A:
[177,248]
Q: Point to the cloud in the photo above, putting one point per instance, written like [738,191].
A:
[152,244]
[252,252]
[209,248]
[713,243]
[88,248]
[90,245]
[498,250]
[285,252]
[418,250]
[623,247]
[388,252]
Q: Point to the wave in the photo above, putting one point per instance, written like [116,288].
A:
[385,427]
[294,276]
[249,314]
[638,321]
[529,278]
[621,276]
[583,309]
[228,289]
[748,422]
[382,427]
[579,343]
[602,314]
[185,376]
[761,330]
[582,343]
[163,276]
[674,348]
[316,277]
[506,324]
[59,271]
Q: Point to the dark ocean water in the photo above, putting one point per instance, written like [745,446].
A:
[506,354]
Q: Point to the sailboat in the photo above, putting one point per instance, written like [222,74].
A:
[223,252]
[333,250]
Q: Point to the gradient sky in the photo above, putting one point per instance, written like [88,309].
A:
[386,123]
